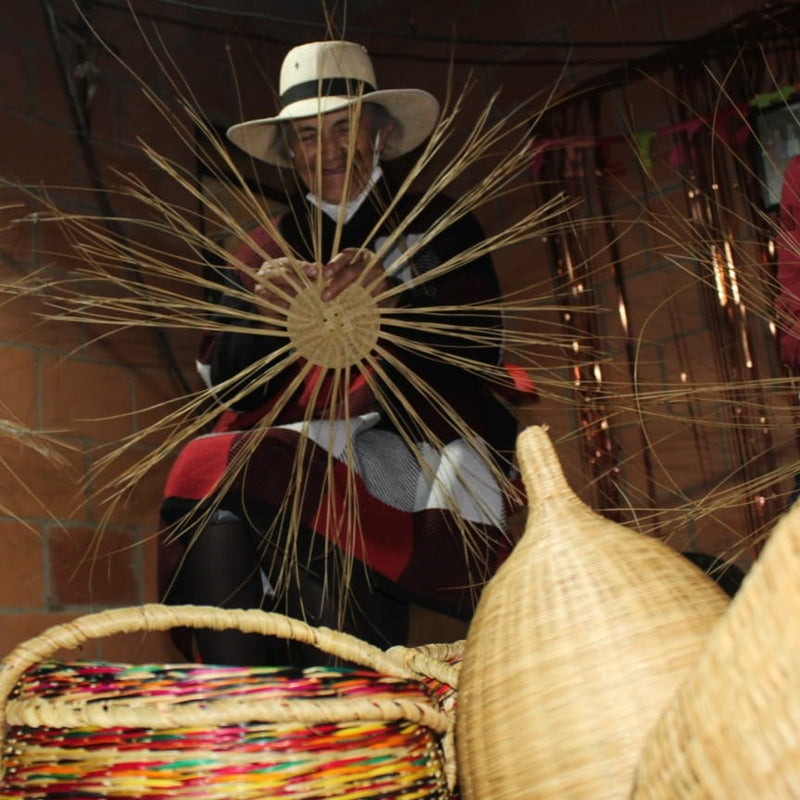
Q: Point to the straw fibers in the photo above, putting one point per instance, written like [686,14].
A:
[578,642]
[48,451]
[733,727]
[588,628]
[696,443]
[355,338]
[94,729]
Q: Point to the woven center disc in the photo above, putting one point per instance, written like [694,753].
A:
[336,333]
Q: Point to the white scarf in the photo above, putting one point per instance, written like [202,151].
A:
[332,209]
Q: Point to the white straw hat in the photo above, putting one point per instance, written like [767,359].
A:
[326,76]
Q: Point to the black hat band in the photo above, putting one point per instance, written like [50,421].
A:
[325,87]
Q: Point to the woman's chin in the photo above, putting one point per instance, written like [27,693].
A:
[334,191]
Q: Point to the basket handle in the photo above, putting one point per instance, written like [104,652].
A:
[431,660]
[158,617]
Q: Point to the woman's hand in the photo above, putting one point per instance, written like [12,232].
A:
[357,265]
[279,280]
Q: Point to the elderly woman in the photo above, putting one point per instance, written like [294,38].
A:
[426,440]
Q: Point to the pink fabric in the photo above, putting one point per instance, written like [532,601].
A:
[788,304]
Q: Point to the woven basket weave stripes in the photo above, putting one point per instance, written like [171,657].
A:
[94,729]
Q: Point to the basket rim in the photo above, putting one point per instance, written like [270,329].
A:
[159,617]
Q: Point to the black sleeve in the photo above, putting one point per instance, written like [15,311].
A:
[234,351]
[465,330]
[448,342]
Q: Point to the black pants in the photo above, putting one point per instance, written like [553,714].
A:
[226,564]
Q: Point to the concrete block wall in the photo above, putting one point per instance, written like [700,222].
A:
[89,391]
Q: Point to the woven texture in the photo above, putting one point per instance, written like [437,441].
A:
[733,727]
[336,333]
[438,666]
[577,644]
[94,729]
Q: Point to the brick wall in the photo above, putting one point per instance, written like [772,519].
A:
[89,391]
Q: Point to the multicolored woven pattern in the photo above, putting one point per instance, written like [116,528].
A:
[252,759]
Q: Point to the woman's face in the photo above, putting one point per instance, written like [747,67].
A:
[321,143]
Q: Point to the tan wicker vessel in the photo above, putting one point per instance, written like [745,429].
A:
[733,728]
[577,644]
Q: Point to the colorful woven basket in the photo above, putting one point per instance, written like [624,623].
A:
[99,730]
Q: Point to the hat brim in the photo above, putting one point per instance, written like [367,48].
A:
[415,110]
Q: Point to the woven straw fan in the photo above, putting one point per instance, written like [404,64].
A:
[358,336]
[578,642]
[733,727]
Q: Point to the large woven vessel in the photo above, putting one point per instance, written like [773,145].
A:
[577,644]
[93,729]
[733,728]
